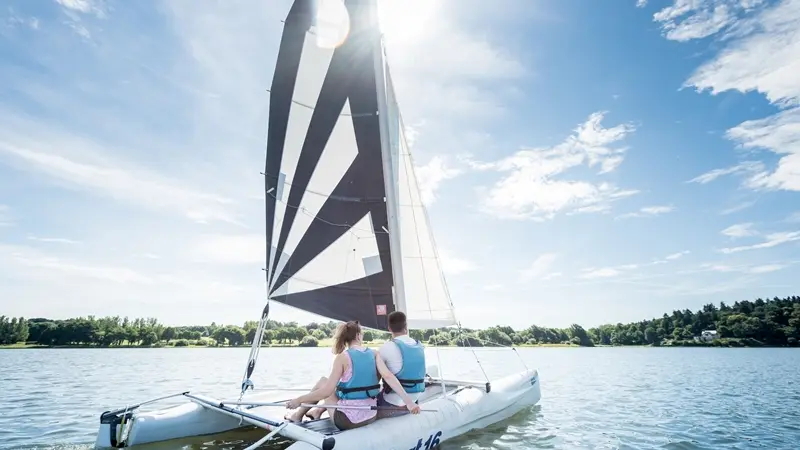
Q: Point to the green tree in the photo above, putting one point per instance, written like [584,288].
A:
[308,341]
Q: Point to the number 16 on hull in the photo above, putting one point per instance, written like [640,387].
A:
[430,444]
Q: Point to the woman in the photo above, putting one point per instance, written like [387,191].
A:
[353,382]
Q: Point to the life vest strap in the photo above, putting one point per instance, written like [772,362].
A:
[344,390]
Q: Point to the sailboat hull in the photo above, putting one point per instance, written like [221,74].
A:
[465,408]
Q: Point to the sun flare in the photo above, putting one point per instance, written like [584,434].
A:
[404,21]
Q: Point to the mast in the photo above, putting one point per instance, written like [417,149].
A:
[388,168]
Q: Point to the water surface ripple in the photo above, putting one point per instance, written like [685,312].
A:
[603,398]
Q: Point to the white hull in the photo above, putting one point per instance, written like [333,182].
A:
[465,408]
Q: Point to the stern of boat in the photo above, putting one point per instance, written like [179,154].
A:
[112,426]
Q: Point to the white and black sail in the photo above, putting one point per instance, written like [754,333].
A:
[337,163]
[328,247]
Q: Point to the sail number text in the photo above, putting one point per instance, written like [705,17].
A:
[430,444]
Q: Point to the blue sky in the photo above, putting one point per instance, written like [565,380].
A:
[586,162]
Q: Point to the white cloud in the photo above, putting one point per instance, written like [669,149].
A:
[5,216]
[779,133]
[24,257]
[685,20]
[738,207]
[101,175]
[740,230]
[752,28]
[441,72]
[678,255]
[770,240]
[749,269]
[531,190]
[53,240]
[74,9]
[82,6]
[641,3]
[743,168]
[541,268]
[454,265]
[82,286]
[767,268]
[606,272]
[648,211]
[229,249]
[431,176]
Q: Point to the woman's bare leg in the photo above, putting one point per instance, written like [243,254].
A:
[297,415]
[316,413]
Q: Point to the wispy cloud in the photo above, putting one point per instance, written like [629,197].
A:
[531,187]
[740,230]
[541,268]
[686,20]
[53,240]
[750,269]
[605,272]
[744,168]
[629,269]
[454,265]
[678,255]
[431,176]
[5,216]
[751,28]
[736,208]
[77,10]
[81,164]
[641,3]
[648,211]
[228,249]
[770,240]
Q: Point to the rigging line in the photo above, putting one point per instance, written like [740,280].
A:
[311,191]
[512,347]
[315,217]
[409,170]
[327,284]
[469,344]
[356,115]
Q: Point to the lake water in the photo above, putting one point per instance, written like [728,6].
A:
[603,398]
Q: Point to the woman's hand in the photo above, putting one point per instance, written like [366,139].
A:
[413,408]
[293,404]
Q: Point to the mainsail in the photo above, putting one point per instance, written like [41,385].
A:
[339,178]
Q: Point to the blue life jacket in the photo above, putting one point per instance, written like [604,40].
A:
[412,374]
[365,382]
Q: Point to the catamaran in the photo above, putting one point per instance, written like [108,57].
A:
[348,238]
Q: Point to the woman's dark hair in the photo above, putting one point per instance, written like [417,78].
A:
[345,334]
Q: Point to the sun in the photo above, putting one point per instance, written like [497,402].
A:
[404,21]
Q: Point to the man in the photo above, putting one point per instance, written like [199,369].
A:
[405,358]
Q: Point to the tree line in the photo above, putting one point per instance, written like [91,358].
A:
[773,322]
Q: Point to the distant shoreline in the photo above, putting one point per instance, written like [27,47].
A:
[374,345]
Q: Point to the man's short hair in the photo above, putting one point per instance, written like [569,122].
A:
[397,321]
